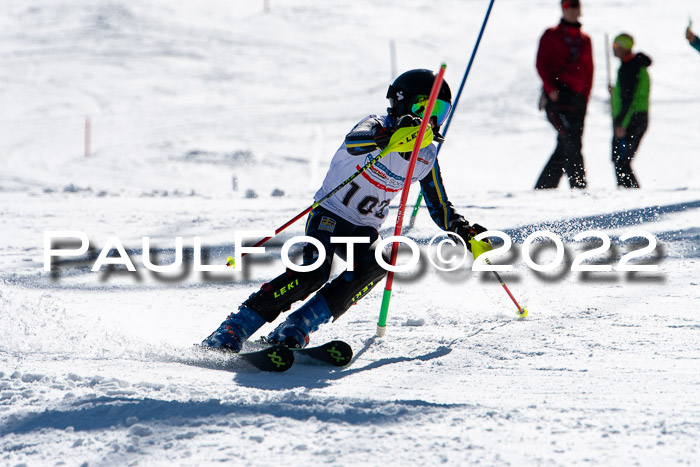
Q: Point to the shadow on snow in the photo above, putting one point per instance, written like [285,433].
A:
[103,413]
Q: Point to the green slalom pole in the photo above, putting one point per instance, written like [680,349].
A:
[412,222]
[437,84]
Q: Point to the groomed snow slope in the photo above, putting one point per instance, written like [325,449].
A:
[183,99]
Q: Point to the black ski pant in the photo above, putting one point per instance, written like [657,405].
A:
[567,116]
[341,293]
[624,150]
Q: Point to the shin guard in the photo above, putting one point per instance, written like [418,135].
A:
[348,288]
[279,294]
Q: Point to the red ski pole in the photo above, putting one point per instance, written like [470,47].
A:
[479,247]
[402,140]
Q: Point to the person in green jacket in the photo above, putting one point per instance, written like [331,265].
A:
[630,108]
[692,39]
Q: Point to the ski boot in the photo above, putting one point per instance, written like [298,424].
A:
[294,331]
[233,332]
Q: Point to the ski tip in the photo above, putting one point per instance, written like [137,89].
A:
[230,262]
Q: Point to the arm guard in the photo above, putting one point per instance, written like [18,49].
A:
[361,139]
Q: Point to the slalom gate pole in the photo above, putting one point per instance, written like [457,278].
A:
[412,222]
[609,73]
[402,137]
[437,84]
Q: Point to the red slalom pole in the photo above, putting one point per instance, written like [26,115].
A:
[437,84]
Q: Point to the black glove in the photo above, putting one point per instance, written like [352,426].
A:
[381,135]
[462,228]
[408,120]
[405,122]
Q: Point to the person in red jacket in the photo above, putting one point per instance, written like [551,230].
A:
[565,65]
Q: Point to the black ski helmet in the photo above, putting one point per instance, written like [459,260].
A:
[408,86]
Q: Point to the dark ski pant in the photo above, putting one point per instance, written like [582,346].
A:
[567,116]
[347,289]
[624,150]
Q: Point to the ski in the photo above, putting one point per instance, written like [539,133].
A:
[336,353]
[277,358]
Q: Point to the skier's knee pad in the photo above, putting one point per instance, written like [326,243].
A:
[348,288]
[280,293]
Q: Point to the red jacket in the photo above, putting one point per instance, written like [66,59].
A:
[565,57]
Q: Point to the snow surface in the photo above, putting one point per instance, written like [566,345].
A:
[188,99]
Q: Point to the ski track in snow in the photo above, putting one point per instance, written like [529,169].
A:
[188,101]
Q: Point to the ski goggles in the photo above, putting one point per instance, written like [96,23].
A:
[441,109]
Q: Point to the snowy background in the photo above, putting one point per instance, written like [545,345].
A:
[189,100]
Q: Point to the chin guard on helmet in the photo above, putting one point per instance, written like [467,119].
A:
[437,137]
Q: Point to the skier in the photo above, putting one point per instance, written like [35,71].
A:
[693,40]
[565,65]
[630,108]
[357,211]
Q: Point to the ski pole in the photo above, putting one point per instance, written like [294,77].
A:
[609,73]
[403,139]
[522,312]
[437,84]
[412,222]
[478,248]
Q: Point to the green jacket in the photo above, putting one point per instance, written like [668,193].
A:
[631,92]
